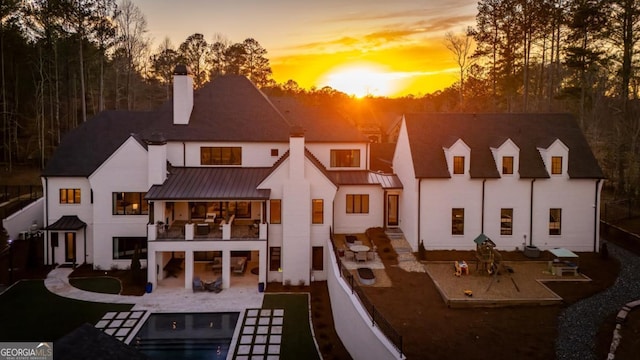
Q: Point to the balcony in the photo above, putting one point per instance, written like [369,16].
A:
[182,230]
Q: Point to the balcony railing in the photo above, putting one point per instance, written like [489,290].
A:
[181,230]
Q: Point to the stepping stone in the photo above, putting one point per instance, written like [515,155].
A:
[136,314]
[278,312]
[110,315]
[102,324]
[246,339]
[122,315]
[275,339]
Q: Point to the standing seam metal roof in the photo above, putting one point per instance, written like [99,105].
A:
[206,183]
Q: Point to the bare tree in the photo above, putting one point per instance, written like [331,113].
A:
[132,41]
[461,47]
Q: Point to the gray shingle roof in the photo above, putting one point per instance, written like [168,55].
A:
[230,108]
[321,123]
[429,133]
[205,183]
[85,148]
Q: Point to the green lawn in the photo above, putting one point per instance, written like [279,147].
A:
[297,341]
[29,312]
[103,285]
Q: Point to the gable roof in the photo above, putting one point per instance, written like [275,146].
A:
[85,148]
[430,133]
[229,108]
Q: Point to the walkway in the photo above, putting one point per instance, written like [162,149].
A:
[162,299]
[579,323]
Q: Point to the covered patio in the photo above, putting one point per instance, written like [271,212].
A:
[206,217]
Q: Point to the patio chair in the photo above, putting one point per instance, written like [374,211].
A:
[349,255]
[372,254]
[215,286]
[361,256]
[197,284]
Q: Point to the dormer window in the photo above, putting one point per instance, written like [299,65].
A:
[556,165]
[507,165]
[458,164]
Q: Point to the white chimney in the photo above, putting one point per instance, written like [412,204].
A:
[182,95]
[157,162]
[296,153]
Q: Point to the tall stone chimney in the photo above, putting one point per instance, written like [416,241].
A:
[182,95]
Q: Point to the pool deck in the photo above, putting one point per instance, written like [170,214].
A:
[170,298]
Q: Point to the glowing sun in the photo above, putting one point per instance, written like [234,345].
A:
[361,80]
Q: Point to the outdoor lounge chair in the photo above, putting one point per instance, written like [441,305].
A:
[197,284]
[215,286]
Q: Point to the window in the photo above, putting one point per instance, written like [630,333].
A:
[506,221]
[507,165]
[129,203]
[274,152]
[124,247]
[345,158]
[317,258]
[458,164]
[556,165]
[317,210]
[357,203]
[221,209]
[276,211]
[457,221]
[275,263]
[69,196]
[218,155]
[555,221]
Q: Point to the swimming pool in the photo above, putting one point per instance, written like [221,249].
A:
[186,335]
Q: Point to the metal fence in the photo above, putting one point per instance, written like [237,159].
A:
[617,210]
[377,319]
[14,198]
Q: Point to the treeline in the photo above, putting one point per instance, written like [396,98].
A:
[63,61]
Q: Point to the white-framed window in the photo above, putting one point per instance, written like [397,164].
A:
[458,164]
[555,221]
[556,165]
[457,221]
[507,165]
[506,221]
[357,203]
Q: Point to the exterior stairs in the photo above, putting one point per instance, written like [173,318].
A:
[406,260]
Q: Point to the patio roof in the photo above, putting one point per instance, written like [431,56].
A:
[67,222]
[202,183]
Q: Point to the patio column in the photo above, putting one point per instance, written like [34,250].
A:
[226,269]
[151,268]
[188,269]
[262,264]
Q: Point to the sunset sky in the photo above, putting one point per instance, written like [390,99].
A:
[380,47]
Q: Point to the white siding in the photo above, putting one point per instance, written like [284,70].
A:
[124,171]
[358,223]
[408,208]
[322,151]
[84,211]
[253,154]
